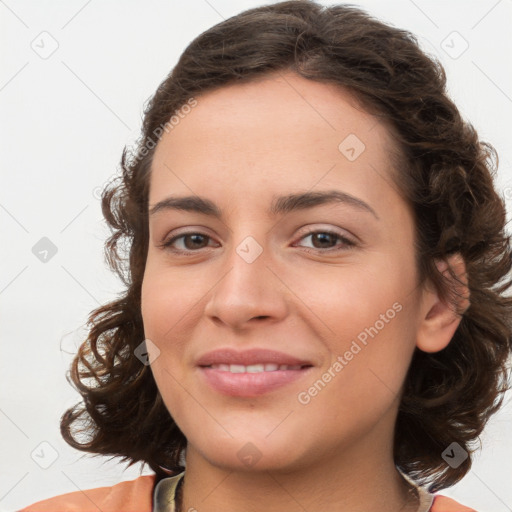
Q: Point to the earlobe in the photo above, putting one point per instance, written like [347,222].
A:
[440,318]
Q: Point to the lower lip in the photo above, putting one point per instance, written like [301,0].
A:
[250,384]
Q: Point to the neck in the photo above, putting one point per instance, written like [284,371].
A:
[362,478]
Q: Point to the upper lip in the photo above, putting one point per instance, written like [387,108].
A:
[249,357]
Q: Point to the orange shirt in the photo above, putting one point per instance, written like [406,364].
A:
[141,495]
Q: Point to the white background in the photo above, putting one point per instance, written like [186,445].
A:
[65,120]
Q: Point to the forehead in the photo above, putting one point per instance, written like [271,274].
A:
[281,131]
[304,108]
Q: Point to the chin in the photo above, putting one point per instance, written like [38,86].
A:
[248,454]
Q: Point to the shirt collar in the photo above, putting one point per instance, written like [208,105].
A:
[164,493]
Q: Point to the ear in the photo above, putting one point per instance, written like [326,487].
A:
[439,319]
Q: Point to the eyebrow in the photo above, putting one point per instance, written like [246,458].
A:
[280,205]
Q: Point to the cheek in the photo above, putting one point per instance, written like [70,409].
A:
[361,383]
[168,298]
[170,305]
[158,309]
[367,317]
[348,300]
[160,312]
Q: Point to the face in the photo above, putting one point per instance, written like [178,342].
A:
[281,329]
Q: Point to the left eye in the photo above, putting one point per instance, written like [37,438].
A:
[322,241]
[323,238]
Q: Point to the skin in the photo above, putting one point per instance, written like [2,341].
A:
[303,295]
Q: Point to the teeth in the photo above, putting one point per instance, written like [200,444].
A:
[253,368]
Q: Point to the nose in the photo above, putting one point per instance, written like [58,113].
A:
[248,292]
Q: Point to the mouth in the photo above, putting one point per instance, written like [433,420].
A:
[255,368]
[252,380]
[251,372]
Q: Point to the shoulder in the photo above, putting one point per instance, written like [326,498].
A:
[130,496]
[445,504]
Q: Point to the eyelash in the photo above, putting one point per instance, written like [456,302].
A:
[347,242]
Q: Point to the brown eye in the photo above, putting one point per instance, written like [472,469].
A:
[328,240]
[323,240]
[188,242]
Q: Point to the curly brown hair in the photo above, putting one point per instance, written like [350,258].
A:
[445,172]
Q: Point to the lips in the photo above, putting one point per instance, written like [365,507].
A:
[250,373]
[250,357]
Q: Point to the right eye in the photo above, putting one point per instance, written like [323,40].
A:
[190,242]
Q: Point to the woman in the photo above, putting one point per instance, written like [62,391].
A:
[315,315]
